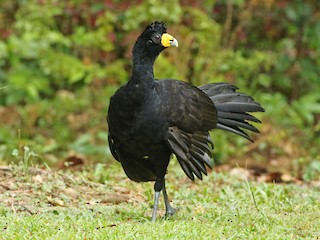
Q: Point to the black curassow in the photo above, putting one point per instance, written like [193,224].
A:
[149,120]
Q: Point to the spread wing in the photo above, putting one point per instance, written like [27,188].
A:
[190,114]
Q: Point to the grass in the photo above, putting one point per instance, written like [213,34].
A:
[45,204]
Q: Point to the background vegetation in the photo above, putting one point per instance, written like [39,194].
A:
[60,61]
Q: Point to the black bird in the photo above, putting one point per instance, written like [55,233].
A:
[149,119]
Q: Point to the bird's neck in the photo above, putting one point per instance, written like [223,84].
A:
[141,83]
[142,74]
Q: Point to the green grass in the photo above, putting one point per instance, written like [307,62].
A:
[223,206]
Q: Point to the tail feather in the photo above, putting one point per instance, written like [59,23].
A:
[233,108]
[227,97]
[238,107]
[237,131]
[236,123]
[239,116]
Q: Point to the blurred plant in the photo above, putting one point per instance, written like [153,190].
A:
[38,57]
[61,60]
[24,155]
[312,172]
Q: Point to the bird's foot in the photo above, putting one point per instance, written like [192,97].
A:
[170,212]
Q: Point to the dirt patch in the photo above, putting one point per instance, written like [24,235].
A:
[37,189]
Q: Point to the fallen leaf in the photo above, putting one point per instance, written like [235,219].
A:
[55,201]
[37,179]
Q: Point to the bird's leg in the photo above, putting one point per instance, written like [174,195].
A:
[155,206]
[157,189]
[169,210]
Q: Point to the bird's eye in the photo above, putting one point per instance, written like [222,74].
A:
[157,36]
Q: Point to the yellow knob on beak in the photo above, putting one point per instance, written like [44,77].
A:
[168,41]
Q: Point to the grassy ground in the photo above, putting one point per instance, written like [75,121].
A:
[230,204]
[46,204]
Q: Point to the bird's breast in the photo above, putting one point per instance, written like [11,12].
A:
[140,124]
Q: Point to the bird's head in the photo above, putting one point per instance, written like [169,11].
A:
[153,41]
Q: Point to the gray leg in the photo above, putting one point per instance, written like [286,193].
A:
[169,210]
[155,206]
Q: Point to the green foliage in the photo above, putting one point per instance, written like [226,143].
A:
[149,10]
[24,156]
[40,58]
[312,171]
[61,60]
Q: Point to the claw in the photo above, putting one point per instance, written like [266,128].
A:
[170,212]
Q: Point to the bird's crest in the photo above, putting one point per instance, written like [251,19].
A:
[156,27]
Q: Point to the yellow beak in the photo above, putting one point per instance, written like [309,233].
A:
[168,41]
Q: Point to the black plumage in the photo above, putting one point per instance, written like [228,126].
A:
[149,120]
